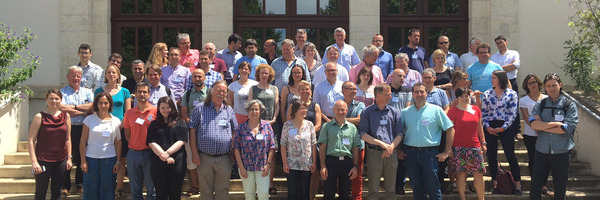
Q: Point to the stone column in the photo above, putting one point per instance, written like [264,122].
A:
[364,22]
[217,22]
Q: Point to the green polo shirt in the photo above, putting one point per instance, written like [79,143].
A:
[194,98]
[339,140]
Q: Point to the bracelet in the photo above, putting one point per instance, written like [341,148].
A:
[70,156]
[118,163]
[356,166]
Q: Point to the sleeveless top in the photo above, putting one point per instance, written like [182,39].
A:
[311,113]
[444,77]
[290,98]
[267,97]
[51,138]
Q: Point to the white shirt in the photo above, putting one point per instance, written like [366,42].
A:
[506,59]
[526,102]
[102,135]
[467,59]
[240,95]
[342,74]
[326,95]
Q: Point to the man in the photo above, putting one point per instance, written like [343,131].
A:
[339,144]
[270,51]
[251,47]
[175,76]
[217,64]
[435,95]
[329,91]
[411,77]
[210,76]
[480,73]
[230,55]
[385,60]
[157,89]
[452,59]
[424,125]
[189,101]
[136,122]
[212,125]
[370,53]
[348,54]
[92,73]
[333,53]
[301,39]
[418,55]
[382,131]
[189,57]
[401,98]
[467,59]
[77,101]
[353,116]
[508,59]
[137,69]
[114,59]
[283,65]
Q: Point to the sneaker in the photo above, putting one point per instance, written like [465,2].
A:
[64,192]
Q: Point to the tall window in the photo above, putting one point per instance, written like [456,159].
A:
[432,17]
[279,19]
[137,24]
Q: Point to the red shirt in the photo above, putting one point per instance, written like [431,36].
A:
[465,127]
[138,121]
[219,65]
[191,56]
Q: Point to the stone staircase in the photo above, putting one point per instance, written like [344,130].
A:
[16,180]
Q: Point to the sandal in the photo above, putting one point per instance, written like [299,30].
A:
[192,191]
[272,191]
[547,192]
[120,194]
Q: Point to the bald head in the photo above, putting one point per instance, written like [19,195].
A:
[398,77]
[340,108]
[211,48]
[198,77]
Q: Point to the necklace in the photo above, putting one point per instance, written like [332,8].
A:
[459,107]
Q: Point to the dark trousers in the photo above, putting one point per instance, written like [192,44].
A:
[441,173]
[337,171]
[54,171]
[75,140]
[298,185]
[530,145]
[507,138]
[400,175]
[515,87]
[544,163]
[168,178]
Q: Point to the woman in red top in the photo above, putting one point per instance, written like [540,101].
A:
[51,155]
[469,143]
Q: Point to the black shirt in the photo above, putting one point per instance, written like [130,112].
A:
[166,136]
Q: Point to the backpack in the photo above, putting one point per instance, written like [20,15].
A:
[566,106]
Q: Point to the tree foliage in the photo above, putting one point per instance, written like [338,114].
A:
[17,63]
[582,49]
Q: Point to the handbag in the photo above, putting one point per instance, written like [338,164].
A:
[505,181]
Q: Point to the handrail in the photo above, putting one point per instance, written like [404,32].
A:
[583,107]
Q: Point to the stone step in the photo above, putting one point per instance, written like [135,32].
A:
[23,146]
[18,158]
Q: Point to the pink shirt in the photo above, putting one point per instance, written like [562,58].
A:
[377,75]
[191,56]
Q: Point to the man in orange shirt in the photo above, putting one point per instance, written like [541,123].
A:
[136,122]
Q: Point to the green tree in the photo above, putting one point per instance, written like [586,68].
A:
[17,63]
[582,49]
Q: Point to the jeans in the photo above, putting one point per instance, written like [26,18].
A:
[298,185]
[54,171]
[99,181]
[507,138]
[544,163]
[138,168]
[337,171]
[422,168]
[168,178]
[75,140]
[378,167]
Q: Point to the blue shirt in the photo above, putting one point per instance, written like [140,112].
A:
[424,126]
[283,71]
[385,61]
[177,79]
[416,56]
[156,93]
[118,109]
[257,60]
[70,97]
[452,60]
[384,125]
[91,78]
[230,59]
[348,56]
[480,75]
[503,108]
[437,97]
[550,143]
[326,95]
[400,97]
[213,128]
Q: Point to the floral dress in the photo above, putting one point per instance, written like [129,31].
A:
[299,144]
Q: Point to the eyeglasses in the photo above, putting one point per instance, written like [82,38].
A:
[188,43]
[351,89]
[443,43]
[116,61]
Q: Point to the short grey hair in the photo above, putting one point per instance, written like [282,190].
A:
[332,47]
[309,45]
[252,102]
[473,40]
[76,68]
[137,62]
[339,29]
[401,56]
[181,36]
[289,42]
[370,49]
[429,70]
[301,31]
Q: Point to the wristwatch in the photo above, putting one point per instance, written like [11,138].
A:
[484,143]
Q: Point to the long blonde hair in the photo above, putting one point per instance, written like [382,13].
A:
[155,56]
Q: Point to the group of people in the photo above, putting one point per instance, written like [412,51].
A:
[319,119]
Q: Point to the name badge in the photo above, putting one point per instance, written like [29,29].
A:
[139,121]
[293,132]
[559,118]
[150,117]
[105,133]
[346,141]
[415,56]
[222,122]
[212,66]
[269,91]
[154,101]
[471,111]
[425,122]
[369,95]
[382,122]
[196,102]
[260,137]
[395,99]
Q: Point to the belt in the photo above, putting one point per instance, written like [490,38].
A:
[421,148]
[214,155]
[340,158]
[377,148]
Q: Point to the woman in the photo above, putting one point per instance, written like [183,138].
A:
[555,120]
[168,163]
[158,55]
[290,92]
[310,50]
[469,144]
[254,146]
[443,72]
[365,92]
[100,149]
[51,154]
[533,86]
[238,92]
[298,151]
[121,103]
[499,111]
[459,80]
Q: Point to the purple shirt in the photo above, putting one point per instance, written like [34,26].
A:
[176,79]
[213,128]
[254,149]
